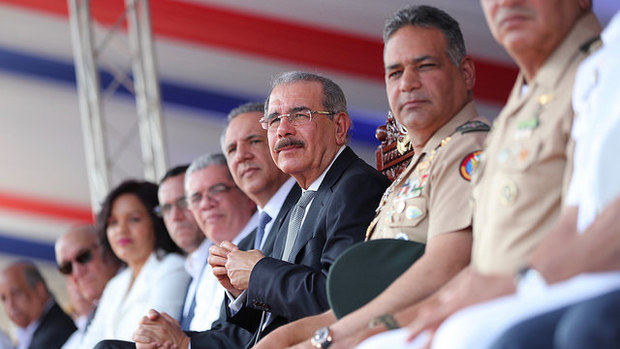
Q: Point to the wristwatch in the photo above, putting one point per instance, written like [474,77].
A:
[322,338]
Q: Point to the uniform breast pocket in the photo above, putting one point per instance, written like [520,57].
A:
[520,155]
[410,212]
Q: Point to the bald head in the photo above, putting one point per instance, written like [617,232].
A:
[23,293]
[80,256]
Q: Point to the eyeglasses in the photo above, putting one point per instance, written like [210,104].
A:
[296,118]
[213,194]
[165,209]
[83,258]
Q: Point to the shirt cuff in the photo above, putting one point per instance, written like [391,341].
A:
[236,303]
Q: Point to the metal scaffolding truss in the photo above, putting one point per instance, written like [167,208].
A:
[104,143]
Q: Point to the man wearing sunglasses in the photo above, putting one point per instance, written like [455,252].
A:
[88,266]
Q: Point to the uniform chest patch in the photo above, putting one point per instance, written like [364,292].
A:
[469,164]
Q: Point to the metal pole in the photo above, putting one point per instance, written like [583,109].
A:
[147,90]
[90,106]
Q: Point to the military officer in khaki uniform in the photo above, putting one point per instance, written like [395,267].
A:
[520,180]
[525,171]
[429,81]
[431,196]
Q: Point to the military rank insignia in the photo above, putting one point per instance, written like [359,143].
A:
[469,164]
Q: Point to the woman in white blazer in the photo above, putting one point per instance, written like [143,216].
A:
[154,277]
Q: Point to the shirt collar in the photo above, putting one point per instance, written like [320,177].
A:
[249,226]
[24,334]
[196,260]
[317,182]
[555,66]
[277,200]
[467,113]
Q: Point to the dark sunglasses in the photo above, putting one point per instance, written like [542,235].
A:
[83,258]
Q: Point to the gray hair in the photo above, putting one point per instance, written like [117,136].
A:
[333,97]
[250,107]
[202,162]
[31,274]
[429,17]
[246,108]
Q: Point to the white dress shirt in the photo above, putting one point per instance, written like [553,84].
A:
[205,284]
[76,338]
[5,341]
[317,183]
[24,335]
[274,205]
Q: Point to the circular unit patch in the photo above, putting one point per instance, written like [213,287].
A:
[469,164]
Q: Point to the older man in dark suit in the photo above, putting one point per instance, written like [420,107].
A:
[307,124]
[28,303]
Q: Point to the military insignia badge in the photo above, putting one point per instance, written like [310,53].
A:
[413,212]
[473,126]
[508,193]
[469,164]
[401,236]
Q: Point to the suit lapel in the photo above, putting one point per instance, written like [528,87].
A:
[272,243]
[308,227]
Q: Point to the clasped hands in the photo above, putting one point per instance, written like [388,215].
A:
[233,267]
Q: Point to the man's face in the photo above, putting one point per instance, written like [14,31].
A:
[219,207]
[22,303]
[537,26]
[91,276]
[178,218]
[247,152]
[424,87]
[301,150]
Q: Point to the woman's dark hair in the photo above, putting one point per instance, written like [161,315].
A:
[147,194]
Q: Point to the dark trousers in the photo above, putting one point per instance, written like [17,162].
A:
[592,323]
[114,344]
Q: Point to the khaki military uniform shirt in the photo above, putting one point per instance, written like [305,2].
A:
[432,195]
[518,187]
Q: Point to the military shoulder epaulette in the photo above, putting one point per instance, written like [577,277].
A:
[591,45]
[473,126]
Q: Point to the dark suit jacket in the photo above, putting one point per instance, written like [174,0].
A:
[224,334]
[338,217]
[53,330]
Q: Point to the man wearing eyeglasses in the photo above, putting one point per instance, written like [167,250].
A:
[307,124]
[88,266]
[244,142]
[198,312]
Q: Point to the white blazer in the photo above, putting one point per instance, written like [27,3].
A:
[161,285]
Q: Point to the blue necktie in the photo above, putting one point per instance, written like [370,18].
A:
[263,219]
[187,320]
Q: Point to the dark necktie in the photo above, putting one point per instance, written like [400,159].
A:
[260,231]
[294,224]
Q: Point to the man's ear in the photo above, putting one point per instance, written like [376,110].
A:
[468,71]
[585,5]
[41,290]
[342,122]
